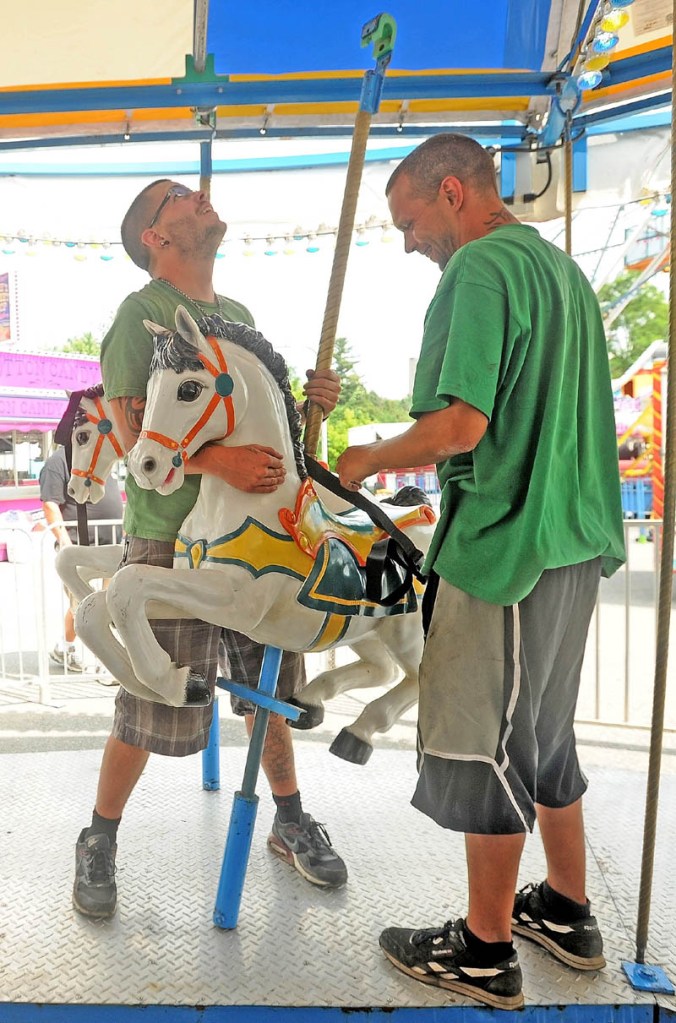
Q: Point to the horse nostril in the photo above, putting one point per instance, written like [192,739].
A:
[148,465]
[71,491]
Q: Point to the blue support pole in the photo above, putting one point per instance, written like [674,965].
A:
[580,165]
[507,175]
[211,764]
[245,805]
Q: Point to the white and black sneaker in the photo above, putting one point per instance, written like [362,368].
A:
[67,659]
[307,847]
[577,943]
[441,957]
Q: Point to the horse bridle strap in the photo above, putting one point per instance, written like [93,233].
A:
[223,386]
[105,429]
[395,547]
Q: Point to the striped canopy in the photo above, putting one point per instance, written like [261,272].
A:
[74,71]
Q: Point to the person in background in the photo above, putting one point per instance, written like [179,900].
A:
[59,507]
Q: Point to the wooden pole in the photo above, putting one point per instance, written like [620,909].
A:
[381,31]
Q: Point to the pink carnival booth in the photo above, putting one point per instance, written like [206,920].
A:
[32,400]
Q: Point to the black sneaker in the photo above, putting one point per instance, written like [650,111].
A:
[94,891]
[576,943]
[440,956]
[307,847]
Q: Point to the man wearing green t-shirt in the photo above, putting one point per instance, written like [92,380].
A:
[174,233]
[512,400]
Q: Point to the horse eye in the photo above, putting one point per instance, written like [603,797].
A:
[82,437]
[189,390]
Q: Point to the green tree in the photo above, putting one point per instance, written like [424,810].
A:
[356,406]
[643,320]
[85,344]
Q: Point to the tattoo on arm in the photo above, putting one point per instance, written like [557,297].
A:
[133,414]
[128,419]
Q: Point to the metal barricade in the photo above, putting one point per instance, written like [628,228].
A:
[618,670]
[617,673]
[33,605]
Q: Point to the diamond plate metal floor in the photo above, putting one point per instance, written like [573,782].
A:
[295,945]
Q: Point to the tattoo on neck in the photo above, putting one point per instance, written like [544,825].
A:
[497,218]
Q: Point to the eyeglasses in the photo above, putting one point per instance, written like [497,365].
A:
[174,192]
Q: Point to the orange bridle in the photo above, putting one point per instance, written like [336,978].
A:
[223,386]
[105,430]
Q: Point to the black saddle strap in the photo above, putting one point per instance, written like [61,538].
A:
[398,547]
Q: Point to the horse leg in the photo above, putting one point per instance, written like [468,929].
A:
[353,743]
[403,639]
[137,588]
[93,626]
[77,566]
[374,667]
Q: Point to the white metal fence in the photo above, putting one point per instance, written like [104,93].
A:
[617,675]
[33,605]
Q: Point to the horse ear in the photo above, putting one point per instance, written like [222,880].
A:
[155,329]
[187,327]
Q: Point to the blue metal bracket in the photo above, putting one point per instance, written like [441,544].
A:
[382,32]
[566,101]
[648,978]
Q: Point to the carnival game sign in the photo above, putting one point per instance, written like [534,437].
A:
[5,324]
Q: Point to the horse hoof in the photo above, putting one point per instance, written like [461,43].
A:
[197,691]
[313,714]
[348,747]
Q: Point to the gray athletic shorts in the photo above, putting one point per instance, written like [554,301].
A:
[498,689]
[171,731]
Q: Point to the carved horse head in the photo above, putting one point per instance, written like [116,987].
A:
[95,448]
[211,381]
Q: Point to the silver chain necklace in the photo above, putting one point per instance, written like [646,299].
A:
[194,301]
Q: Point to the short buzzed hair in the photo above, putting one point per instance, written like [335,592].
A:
[136,220]
[458,155]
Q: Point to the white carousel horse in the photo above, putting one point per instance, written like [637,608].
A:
[95,450]
[279,567]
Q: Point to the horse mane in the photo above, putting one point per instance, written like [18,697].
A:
[80,416]
[172,351]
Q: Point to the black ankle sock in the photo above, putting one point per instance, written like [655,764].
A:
[103,826]
[488,953]
[562,907]
[289,808]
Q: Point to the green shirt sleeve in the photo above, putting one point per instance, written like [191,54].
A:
[479,340]
[126,351]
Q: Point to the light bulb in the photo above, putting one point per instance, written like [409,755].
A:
[614,20]
[589,80]
[604,42]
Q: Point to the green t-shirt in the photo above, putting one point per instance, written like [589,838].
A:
[515,330]
[126,352]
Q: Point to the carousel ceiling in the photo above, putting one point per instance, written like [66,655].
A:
[104,72]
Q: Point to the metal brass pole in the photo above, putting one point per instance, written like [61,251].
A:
[663,606]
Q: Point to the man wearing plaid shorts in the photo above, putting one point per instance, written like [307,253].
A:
[173,233]
[512,400]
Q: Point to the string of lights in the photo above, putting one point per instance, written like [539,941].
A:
[269,243]
[603,37]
